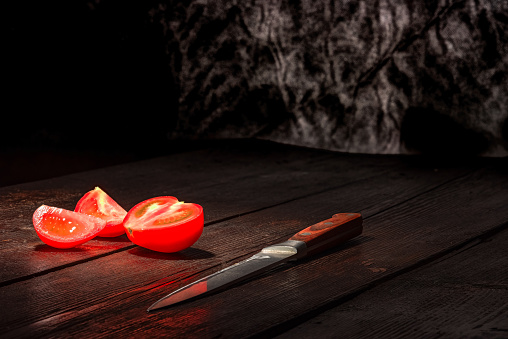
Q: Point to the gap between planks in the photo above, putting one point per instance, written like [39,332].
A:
[448,283]
[207,224]
[156,322]
[228,218]
[283,169]
[427,190]
[435,258]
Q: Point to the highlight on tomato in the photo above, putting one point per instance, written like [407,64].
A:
[99,204]
[61,228]
[164,224]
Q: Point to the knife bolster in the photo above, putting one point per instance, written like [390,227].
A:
[297,249]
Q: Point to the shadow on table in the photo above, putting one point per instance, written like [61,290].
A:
[48,249]
[187,254]
[121,238]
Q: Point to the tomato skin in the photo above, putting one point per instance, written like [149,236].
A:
[99,204]
[61,228]
[164,224]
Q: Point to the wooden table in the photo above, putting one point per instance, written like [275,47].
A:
[431,262]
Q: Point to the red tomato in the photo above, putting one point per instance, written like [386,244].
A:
[164,224]
[62,228]
[101,205]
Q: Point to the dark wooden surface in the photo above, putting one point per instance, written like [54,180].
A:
[431,260]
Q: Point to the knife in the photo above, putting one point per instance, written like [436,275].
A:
[316,238]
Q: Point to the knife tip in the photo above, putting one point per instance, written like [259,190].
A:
[152,308]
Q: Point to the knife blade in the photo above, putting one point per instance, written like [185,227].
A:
[331,232]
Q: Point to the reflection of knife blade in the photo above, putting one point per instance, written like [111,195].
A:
[316,238]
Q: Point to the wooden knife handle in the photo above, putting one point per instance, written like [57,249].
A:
[330,232]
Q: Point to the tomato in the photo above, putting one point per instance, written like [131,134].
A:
[101,205]
[164,224]
[62,228]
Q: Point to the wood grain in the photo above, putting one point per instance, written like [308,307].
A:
[226,181]
[121,295]
[391,247]
[464,294]
[262,177]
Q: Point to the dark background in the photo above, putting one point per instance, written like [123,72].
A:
[82,88]
[94,83]
[75,75]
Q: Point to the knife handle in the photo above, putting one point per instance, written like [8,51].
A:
[330,232]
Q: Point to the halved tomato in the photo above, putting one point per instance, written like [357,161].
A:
[99,204]
[164,224]
[62,228]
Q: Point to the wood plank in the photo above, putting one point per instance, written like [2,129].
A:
[426,228]
[257,305]
[122,295]
[464,294]
[263,176]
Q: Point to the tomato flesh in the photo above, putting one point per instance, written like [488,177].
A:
[164,224]
[99,204]
[61,228]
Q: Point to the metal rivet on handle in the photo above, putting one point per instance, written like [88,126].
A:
[305,233]
[328,223]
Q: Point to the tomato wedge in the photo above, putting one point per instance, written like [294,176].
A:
[164,224]
[62,228]
[99,204]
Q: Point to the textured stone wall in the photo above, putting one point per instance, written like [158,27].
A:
[375,76]
[383,76]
